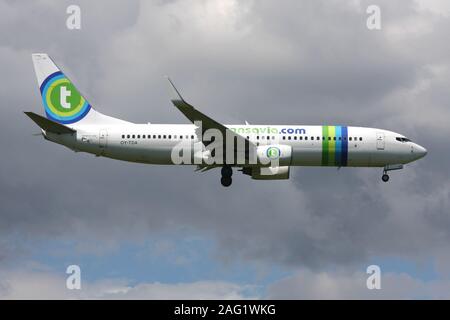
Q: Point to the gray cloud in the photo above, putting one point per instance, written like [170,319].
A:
[46,285]
[338,285]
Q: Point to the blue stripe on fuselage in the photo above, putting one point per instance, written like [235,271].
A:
[344,150]
[338,150]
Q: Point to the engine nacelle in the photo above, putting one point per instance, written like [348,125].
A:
[268,173]
[278,155]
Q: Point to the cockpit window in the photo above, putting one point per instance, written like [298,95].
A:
[401,139]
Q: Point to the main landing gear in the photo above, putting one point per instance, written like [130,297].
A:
[390,167]
[227,172]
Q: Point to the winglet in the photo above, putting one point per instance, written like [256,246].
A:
[175,96]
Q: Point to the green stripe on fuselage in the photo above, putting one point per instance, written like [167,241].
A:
[331,145]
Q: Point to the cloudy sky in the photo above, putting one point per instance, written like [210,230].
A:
[140,231]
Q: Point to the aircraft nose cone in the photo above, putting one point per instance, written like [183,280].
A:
[420,151]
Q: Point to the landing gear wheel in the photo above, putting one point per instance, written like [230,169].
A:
[226,181]
[226,171]
[385,178]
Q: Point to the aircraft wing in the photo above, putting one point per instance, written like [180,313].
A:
[193,114]
[207,123]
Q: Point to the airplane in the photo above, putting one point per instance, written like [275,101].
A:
[265,152]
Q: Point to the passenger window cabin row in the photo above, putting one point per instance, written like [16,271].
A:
[323,138]
[310,138]
[157,136]
[181,137]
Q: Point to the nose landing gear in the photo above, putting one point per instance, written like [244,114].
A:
[390,167]
[227,172]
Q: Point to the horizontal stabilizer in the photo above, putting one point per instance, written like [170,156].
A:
[49,125]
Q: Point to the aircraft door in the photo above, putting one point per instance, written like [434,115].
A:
[380,141]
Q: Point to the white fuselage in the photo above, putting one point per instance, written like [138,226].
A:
[311,145]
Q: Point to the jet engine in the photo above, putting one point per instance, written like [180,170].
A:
[267,173]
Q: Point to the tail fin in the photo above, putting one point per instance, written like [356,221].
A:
[63,103]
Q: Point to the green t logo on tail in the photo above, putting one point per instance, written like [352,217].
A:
[63,102]
[64,94]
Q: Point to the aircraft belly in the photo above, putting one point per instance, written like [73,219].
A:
[358,158]
[151,155]
[306,157]
[157,155]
